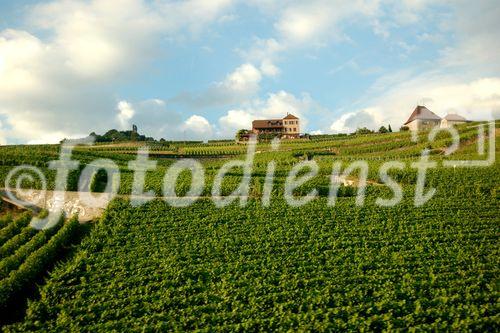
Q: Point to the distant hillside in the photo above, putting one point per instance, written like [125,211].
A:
[120,136]
[115,136]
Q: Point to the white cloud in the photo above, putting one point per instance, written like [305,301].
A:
[197,127]
[3,139]
[408,12]
[154,118]
[262,49]
[351,121]
[98,39]
[239,86]
[269,69]
[60,79]
[477,99]
[39,95]
[381,29]
[235,120]
[310,22]
[194,14]
[431,38]
[21,56]
[303,24]
[245,79]
[125,113]
[477,38]
[54,137]
[298,24]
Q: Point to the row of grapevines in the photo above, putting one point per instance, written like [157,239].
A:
[21,269]
[314,268]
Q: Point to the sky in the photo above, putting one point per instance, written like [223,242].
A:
[202,69]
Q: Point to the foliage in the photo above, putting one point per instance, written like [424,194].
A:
[114,135]
[15,242]
[241,133]
[277,268]
[268,136]
[5,219]
[32,259]
[13,228]
[363,130]
[309,268]
[383,129]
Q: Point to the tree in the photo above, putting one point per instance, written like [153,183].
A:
[390,128]
[363,130]
[382,129]
[241,133]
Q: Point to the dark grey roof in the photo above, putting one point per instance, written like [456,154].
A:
[423,113]
[454,117]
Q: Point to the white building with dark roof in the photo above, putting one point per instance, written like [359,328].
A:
[422,118]
[452,119]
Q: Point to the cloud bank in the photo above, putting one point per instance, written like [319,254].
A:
[59,73]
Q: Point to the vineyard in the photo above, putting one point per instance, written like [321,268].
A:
[278,268]
[26,253]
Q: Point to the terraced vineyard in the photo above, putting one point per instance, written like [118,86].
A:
[255,268]
[258,269]
[26,253]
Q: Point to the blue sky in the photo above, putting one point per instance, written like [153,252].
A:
[204,68]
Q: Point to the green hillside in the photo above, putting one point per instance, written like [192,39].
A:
[319,267]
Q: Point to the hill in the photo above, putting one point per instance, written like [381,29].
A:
[258,266]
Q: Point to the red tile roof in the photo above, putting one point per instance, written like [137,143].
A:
[267,123]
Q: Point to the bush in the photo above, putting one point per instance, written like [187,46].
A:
[382,129]
[363,130]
